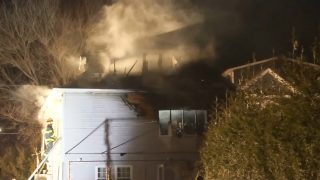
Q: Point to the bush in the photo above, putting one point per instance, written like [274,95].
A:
[261,137]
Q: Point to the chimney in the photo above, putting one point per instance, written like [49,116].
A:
[144,64]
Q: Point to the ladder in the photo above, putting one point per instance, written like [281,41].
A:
[44,160]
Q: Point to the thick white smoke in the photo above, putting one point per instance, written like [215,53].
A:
[30,99]
[128,21]
[35,95]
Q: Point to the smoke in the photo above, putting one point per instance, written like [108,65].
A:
[125,26]
[30,99]
[35,95]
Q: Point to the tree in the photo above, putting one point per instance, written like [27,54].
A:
[268,133]
[37,44]
[16,158]
[41,42]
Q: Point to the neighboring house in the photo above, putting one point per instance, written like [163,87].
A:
[143,132]
[265,75]
[262,73]
[243,74]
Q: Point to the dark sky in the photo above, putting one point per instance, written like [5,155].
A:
[241,27]
[264,25]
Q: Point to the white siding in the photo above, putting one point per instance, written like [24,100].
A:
[83,170]
[86,112]
[86,170]
[83,113]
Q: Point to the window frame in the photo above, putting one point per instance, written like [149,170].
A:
[184,121]
[169,126]
[116,171]
[96,172]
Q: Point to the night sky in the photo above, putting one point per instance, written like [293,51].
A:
[241,27]
[264,25]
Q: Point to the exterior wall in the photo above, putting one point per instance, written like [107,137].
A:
[86,170]
[142,170]
[86,138]
[83,170]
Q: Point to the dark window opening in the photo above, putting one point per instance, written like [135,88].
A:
[201,119]
[189,122]
[164,118]
[176,119]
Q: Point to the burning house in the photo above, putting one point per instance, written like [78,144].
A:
[146,126]
[141,116]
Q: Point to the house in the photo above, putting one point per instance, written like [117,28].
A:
[265,74]
[244,73]
[130,128]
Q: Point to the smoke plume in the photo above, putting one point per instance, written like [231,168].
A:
[127,23]
[30,99]
[35,95]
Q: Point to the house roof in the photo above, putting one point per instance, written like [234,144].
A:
[249,71]
[94,91]
[194,77]
[228,71]
[194,86]
[274,75]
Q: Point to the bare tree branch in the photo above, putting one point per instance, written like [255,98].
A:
[40,45]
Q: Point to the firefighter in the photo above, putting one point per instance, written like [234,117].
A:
[49,137]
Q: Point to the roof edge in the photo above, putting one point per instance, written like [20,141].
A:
[90,90]
[272,73]
[226,72]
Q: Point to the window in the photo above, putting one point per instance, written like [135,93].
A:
[101,173]
[164,118]
[123,172]
[176,117]
[201,119]
[187,122]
